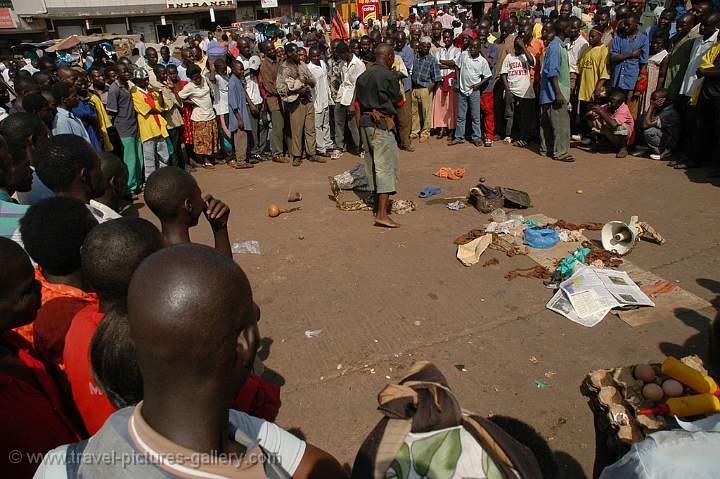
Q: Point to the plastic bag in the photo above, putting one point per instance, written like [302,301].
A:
[246,247]
[541,238]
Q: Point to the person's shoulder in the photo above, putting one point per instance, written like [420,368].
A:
[53,464]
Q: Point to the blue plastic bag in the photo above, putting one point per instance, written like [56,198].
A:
[541,238]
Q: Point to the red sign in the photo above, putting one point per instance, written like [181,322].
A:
[368,11]
[6,19]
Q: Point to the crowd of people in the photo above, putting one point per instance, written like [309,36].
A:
[132,336]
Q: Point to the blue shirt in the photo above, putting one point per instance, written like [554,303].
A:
[86,112]
[237,103]
[67,123]
[652,29]
[550,69]
[171,61]
[408,57]
[490,52]
[625,73]
[426,71]
[692,451]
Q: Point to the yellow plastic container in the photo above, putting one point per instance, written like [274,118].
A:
[691,377]
[685,406]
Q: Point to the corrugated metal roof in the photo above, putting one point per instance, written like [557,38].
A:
[66,13]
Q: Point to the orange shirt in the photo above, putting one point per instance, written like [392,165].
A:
[93,406]
[536,47]
[59,304]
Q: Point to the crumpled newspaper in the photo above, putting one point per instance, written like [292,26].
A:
[456,205]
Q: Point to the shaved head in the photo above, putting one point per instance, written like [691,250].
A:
[167,191]
[193,321]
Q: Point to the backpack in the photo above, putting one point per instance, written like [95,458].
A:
[422,403]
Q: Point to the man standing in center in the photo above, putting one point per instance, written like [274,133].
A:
[268,76]
[425,77]
[378,97]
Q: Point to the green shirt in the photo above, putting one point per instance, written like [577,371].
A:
[564,76]
[10,214]
[678,59]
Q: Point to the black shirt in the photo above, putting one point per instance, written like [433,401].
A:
[378,89]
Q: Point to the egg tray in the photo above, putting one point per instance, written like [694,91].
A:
[615,397]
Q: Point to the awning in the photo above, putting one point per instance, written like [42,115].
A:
[74,40]
[65,13]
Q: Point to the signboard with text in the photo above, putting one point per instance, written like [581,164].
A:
[6,19]
[268,3]
[199,3]
[368,11]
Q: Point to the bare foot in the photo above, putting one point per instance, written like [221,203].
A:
[386,223]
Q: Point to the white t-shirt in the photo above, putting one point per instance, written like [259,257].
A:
[220,92]
[322,88]
[200,97]
[252,88]
[350,74]
[472,71]
[518,75]
[575,50]
[452,53]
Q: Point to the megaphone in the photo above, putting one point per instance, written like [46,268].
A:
[619,237]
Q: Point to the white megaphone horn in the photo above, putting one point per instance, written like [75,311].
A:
[619,237]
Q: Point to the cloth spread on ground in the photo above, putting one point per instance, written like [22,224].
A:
[450,173]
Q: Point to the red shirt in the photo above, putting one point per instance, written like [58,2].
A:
[60,303]
[93,406]
[32,420]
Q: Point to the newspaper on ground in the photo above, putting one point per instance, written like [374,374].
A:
[588,295]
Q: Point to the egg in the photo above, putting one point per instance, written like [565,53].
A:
[652,392]
[673,388]
[645,373]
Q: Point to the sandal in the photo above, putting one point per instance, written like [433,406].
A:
[429,191]
[208,166]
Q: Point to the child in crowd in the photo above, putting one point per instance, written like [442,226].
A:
[149,105]
[53,232]
[656,66]
[614,122]
[239,122]
[519,92]
[175,198]
[218,78]
[661,126]
[85,111]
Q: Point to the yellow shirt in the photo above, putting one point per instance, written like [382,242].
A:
[151,124]
[103,120]
[537,30]
[592,66]
[708,61]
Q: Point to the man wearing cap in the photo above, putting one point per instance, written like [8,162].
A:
[377,97]
[149,105]
[425,78]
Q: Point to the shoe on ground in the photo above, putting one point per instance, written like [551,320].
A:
[413,136]
[317,159]
[576,137]
[655,156]
[297,161]
[587,141]
[488,143]
[280,159]
[242,165]
[323,154]
[477,143]
[208,166]
[565,159]
[622,153]
[508,139]
[409,148]
[456,141]
[423,139]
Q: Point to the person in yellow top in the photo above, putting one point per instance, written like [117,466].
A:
[593,70]
[152,127]
[707,98]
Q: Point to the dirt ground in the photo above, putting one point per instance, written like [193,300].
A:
[385,298]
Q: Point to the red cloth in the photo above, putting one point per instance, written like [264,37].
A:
[258,397]
[32,420]
[186,114]
[487,110]
[60,303]
[93,406]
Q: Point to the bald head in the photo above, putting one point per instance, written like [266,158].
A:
[192,319]
[385,54]
[167,191]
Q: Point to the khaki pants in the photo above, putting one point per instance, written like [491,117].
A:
[404,121]
[421,112]
[302,127]
[240,138]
